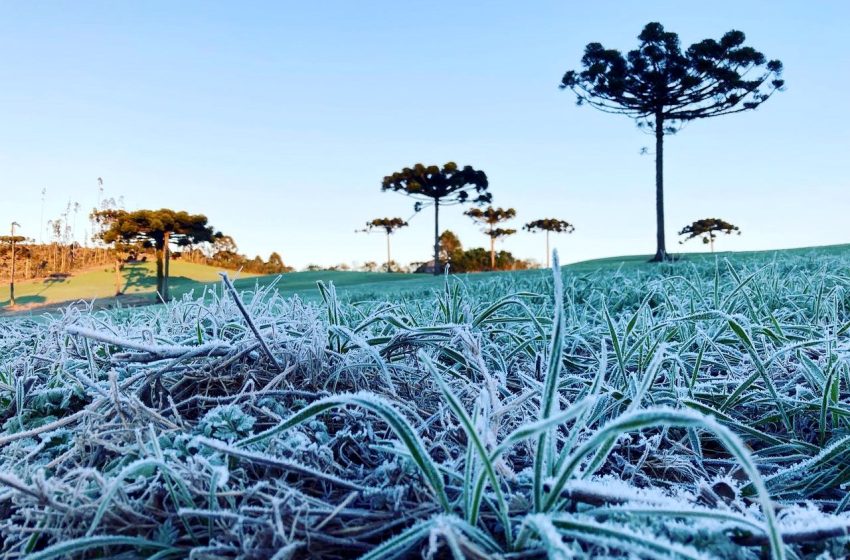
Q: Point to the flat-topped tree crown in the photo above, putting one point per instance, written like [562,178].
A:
[549,225]
[443,185]
[663,87]
[157,229]
[446,185]
[489,217]
[707,229]
[389,225]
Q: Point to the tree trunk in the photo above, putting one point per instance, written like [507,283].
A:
[492,253]
[547,249]
[711,243]
[389,260]
[12,276]
[436,237]
[166,239]
[117,275]
[661,248]
[159,270]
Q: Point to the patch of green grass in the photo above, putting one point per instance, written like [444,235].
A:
[188,277]
[100,283]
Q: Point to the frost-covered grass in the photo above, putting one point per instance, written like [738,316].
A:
[686,410]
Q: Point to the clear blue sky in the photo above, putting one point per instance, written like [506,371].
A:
[278,120]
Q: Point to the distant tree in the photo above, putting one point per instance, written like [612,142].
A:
[439,186]
[393,266]
[120,246]
[158,229]
[549,225]
[708,229]
[663,88]
[275,264]
[369,266]
[477,259]
[449,245]
[490,217]
[12,240]
[390,226]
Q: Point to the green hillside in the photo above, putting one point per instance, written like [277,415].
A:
[140,280]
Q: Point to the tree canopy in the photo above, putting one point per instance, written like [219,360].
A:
[663,87]
[549,225]
[490,217]
[659,80]
[389,225]
[157,229]
[707,229]
[475,259]
[445,185]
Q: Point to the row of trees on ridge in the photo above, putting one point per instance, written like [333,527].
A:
[659,85]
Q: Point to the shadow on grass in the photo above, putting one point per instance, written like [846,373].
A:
[22,301]
[137,276]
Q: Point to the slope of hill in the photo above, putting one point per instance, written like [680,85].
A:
[140,280]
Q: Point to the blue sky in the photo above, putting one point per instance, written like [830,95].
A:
[278,120]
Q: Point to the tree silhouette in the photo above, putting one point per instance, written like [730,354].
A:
[708,229]
[158,229]
[275,263]
[12,240]
[549,225]
[389,225]
[449,244]
[490,217]
[102,220]
[663,88]
[439,186]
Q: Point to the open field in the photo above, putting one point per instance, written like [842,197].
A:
[696,409]
[36,297]
[99,283]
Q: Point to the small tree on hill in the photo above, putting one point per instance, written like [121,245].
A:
[490,217]
[663,88]
[102,221]
[390,226]
[12,240]
[159,229]
[708,229]
[444,186]
[449,245]
[549,225]
[275,264]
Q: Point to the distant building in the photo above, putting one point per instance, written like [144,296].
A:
[427,267]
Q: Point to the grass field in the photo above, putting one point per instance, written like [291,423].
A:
[695,409]
[140,280]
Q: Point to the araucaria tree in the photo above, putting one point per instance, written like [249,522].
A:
[159,229]
[549,225]
[708,229]
[102,221]
[389,225]
[489,218]
[440,186]
[663,87]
